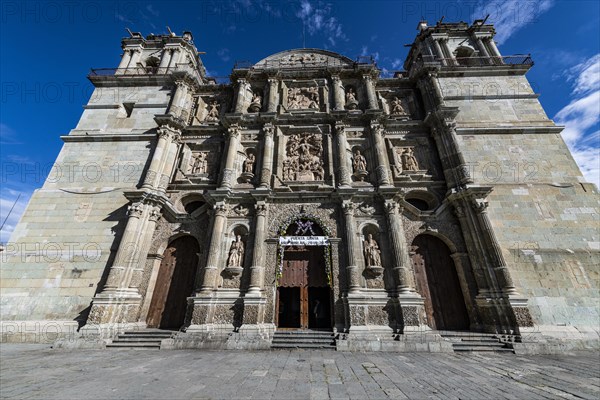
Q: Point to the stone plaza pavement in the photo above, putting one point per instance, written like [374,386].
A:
[38,372]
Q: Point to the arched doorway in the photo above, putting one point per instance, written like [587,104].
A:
[303,289]
[437,281]
[175,282]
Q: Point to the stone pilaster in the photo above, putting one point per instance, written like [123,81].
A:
[256,270]
[124,61]
[267,158]
[211,271]
[402,265]
[382,170]
[344,167]
[352,249]
[233,143]
[165,59]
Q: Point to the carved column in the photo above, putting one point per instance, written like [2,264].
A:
[370,89]
[177,102]
[438,50]
[501,272]
[267,159]
[353,251]
[383,175]
[482,49]
[161,166]
[124,60]
[493,48]
[402,270]
[273,86]
[211,271]
[233,143]
[344,161]
[338,93]
[241,96]
[256,270]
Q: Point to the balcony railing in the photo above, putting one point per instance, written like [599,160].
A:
[469,62]
[144,71]
[278,64]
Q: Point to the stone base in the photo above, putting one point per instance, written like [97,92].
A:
[223,337]
[372,338]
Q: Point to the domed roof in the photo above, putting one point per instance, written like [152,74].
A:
[303,58]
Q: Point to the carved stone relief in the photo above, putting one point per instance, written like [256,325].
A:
[305,98]
[304,158]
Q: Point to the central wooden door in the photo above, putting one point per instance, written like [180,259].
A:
[174,284]
[303,290]
[437,281]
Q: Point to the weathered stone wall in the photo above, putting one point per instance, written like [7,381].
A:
[59,251]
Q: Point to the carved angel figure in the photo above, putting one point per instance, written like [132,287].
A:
[372,252]
[200,165]
[236,252]
[213,112]
[256,103]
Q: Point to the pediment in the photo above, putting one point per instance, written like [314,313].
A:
[304,58]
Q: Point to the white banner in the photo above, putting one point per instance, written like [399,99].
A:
[303,240]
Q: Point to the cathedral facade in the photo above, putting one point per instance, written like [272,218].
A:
[311,193]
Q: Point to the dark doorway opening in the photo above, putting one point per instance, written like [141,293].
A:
[289,307]
[174,284]
[437,281]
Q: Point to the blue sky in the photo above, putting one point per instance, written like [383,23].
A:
[47,49]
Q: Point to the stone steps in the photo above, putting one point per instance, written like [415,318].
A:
[477,342]
[303,340]
[147,339]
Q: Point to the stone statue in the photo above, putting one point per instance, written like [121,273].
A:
[303,98]
[372,252]
[397,108]
[359,162]
[303,162]
[200,165]
[236,253]
[213,112]
[256,103]
[351,102]
[249,163]
[409,161]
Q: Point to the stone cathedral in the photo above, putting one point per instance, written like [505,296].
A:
[311,194]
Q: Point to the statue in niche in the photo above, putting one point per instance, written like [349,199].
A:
[256,103]
[236,252]
[397,107]
[303,162]
[408,159]
[359,162]
[200,165]
[213,112]
[372,252]
[249,163]
[351,102]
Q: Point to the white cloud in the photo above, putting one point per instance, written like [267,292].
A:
[7,135]
[582,116]
[320,20]
[224,54]
[508,16]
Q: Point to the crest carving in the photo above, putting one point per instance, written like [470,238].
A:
[304,153]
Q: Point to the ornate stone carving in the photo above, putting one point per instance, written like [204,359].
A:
[366,209]
[240,211]
[281,212]
[303,99]
[213,110]
[408,161]
[523,316]
[235,259]
[200,163]
[135,210]
[410,316]
[304,158]
[298,59]
[248,167]
[397,108]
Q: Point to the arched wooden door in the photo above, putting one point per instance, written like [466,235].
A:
[174,284]
[437,281]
